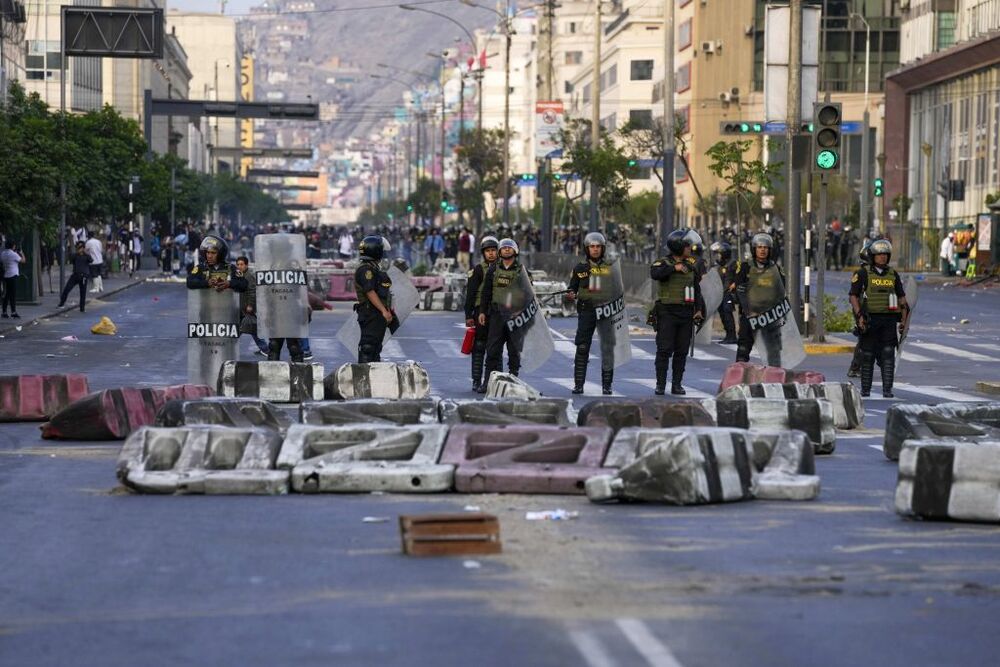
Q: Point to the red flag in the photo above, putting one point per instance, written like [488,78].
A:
[482,59]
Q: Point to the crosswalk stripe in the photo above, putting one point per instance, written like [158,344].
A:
[992,347]
[567,348]
[963,353]
[944,393]
[446,348]
[392,350]
[914,357]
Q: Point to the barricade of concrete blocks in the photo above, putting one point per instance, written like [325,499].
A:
[744,372]
[525,458]
[952,421]
[215,411]
[645,413]
[383,379]
[443,301]
[276,381]
[370,411]
[112,414]
[950,479]
[814,416]
[844,398]
[202,460]
[698,465]
[364,458]
[29,398]
[550,411]
[505,385]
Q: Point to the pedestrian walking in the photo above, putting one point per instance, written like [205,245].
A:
[10,259]
[136,250]
[464,249]
[345,244]
[947,253]
[434,246]
[82,263]
[488,247]
[374,307]
[95,250]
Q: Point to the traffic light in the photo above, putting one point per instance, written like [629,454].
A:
[826,134]
[741,127]
[444,204]
[409,208]
[879,188]
[632,163]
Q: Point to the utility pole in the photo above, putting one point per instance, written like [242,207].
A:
[667,203]
[595,113]
[443,142]
[880,201]
[866,152]
[173,198]
[508,27]
[793,223]
[819,331]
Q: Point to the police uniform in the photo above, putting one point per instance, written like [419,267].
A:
[678,298]
[503,295]
[880,292]
[593,286]
[202,276]
[473,303]
[759,287]
[369,277]
[727,273]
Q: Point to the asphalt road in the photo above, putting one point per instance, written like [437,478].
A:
[92,575]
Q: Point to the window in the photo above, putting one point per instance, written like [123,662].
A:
[682,78]
[684,35]
[641,118]
[683,115]
[567,87]
[945,29]
[586,94]
[574,57]
[642,70]
[609,123]
[680,173]
[571,28]
[609,78]
[43,59]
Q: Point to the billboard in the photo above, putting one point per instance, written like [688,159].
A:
[548,124]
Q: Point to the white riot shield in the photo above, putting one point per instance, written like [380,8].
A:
[712,292]
[776,337]
[213,331]
[282,285]
[911,300]
[612,321]
[404,301]
[529,328]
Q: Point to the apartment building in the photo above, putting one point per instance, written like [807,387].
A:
[13,20]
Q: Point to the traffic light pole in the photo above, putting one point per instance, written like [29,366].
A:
[819,330]
[793,222]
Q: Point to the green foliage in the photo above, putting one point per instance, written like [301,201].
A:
[902,204]
[605,167]
[426,198]
[746,180]
[992,198]
[837,319]
[481,156]
[419,270]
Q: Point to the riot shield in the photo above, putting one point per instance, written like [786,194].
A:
[612,318]
[282,285]
[911,300]
[711,293]
[528,326]
[212,333]
[404,302]
[776,337]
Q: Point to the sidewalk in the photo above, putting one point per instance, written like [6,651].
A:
[48,304]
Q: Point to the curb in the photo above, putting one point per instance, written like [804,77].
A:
[988,387]
[67,309]
[829,348]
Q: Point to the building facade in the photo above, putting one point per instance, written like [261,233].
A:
[13,21]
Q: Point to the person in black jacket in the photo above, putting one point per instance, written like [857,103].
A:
[591,286]
[80,275]
[213,271]
[473,297]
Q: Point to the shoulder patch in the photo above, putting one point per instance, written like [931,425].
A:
[194,270]
[368,275]
[470,274]
[658,262]
[854,278]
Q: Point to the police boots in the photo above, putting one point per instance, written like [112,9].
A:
[580,368]
[478,360]
[855,369]
[867,372]
[888,370]
[606,377]
[661,381]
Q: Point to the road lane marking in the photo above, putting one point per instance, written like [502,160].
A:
[914,357]
[877,448]
[944,393]
[963,353]
[652,649]
[392,350]
[591,649]
[567,348]
[446,348]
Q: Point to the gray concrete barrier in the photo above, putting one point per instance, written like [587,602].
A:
[383,379]
[505,385]
[216,411]
[370,411]
[844,398]
[814,416]
[550,411]
[941,479]
[277,381]
[202,460]
[359,459]
[951,421]
[644,413]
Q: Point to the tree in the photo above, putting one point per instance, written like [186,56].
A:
[604,167]
[746,179]
[426,198]
[481,155]
[646,141]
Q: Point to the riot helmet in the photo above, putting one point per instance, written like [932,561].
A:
[594,238]
[372,247]
[880,247]
[677,240]
[213,242]
[865,253]
[722,252]
[487,243]
[508,243]
[692,237]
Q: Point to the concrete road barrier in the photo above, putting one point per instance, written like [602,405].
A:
[844,397]
[645,413]
[790,470]
[505,385]
[360,459]
[112,414]
[202,460]
[220,411]
[29,398]
[952,421]
[744,372]
[950,479]
[370,411]
[382,379]
[550,411]
[276,381]
[443,301]
[814,416]
[525,458]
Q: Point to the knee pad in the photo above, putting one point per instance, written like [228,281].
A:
[583,349]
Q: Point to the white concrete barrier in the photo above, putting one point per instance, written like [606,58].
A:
[949,479]
[406,380]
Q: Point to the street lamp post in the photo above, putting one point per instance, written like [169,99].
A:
[865,148]
[595,112]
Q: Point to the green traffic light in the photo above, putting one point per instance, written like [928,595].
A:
[744,127]
[757,127]
[879,187]
[632,163]
[826,159]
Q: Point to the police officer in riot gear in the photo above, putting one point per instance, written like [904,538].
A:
[503,292]
[722,256]
[374,306]
[759,286]
[678,307]
[488,247]
[855,370]
[880,308]
[590,285]
[212,270]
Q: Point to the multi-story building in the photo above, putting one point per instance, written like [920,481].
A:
[943,112]
[566,42]
[13,20]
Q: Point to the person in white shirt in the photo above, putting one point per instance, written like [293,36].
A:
[96,251]
[10,258]
[345,245]
[136,253]
[947,251]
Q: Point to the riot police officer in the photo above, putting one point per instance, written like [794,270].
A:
[504,294]
[855,370]
[595,275]
[879,304]
[678,307]
[722,256]
[488,247]
[213,271]
[374,307]
[759,286]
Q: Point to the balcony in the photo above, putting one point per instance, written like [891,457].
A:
[981,18]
